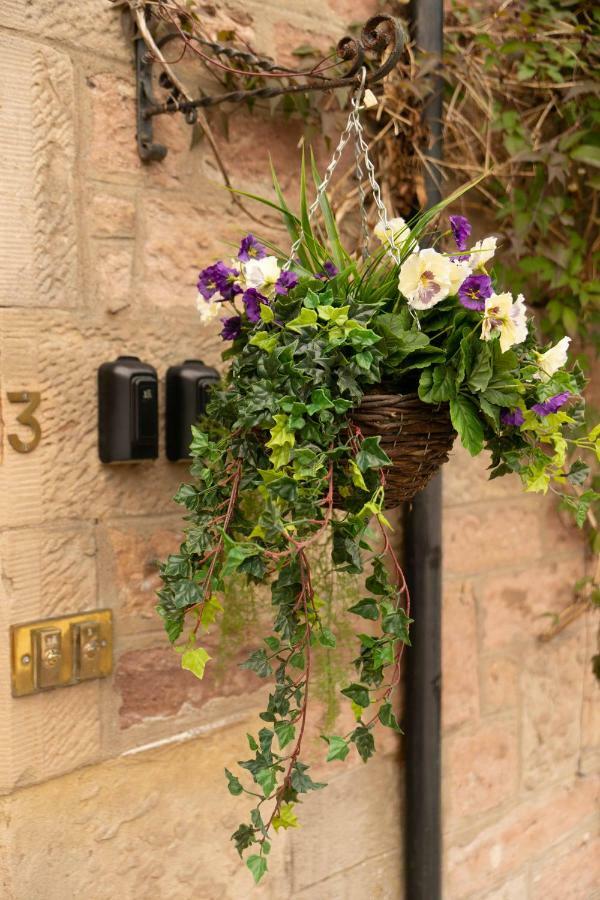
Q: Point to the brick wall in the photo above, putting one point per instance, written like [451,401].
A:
[115,788]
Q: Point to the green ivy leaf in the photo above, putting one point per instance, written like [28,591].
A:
[285,732]
[286,818]
[371,456]
[195,661]
[264,341]
[266,313]
[301,782]
[306,319]
[365,743]
[366,608]
[258,662]
[387,717]
[234,785]
[397,623]
[358,693]
[267,778]
[243,837]
[326,638]
[338,748]
[257,865]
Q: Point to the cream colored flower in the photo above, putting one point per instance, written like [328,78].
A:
[261,274]
[208,309]
[553,359]
[507,317]
[398,230]
[425,278]
[482,252]
[459,272]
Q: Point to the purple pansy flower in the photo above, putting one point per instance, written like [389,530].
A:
[285,282]
[218,278]
[232,328]
[552,405]
[474,291]
[250,248]
[461,229]
[512,417]
[329,271]
[252,301]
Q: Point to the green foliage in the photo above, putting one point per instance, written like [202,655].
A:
[278,442]
[536,65]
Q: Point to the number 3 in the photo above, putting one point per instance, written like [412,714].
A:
[32,398]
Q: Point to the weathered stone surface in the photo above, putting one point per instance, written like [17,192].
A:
[551,723]
[500,688]
[498,535]
[96,27]
[131,552]
[182,236]
[517,605]
[482,769]
[352,11]
[346,837]
[37,135]
[148,826]
[111,215]
[289,37]
[49,571]
[114,274]
[111,147]
[571,872]
[459,654]
[515,889]
[466,479]
[490,853]
[152,683]
[378,878]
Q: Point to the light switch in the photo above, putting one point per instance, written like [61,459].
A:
[87,650]
[61,652]
[47,657]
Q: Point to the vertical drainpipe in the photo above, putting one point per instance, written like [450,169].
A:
[423,557]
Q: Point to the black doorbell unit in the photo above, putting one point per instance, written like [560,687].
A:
[127,410]
[188,388]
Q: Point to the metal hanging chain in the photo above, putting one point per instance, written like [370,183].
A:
[353,125]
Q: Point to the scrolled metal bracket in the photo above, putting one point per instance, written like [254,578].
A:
[380,35]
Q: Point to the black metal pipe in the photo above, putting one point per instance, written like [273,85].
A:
[423,558]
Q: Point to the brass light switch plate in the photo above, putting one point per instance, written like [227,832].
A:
[60,652]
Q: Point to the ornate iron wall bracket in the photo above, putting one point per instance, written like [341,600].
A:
[380,35]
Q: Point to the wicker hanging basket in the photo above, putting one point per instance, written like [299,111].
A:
[416,436]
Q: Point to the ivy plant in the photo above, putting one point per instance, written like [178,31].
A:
[307,338]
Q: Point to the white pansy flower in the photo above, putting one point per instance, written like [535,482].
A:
[553,359]
[208,309]
[425,278]
[507,317]
[459,271]
[483,251]
[398,230]
[261,274]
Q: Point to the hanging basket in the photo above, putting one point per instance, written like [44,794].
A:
[416,436]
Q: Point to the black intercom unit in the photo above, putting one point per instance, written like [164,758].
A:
[127,410]
[188,387]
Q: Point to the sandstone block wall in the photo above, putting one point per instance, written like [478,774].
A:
[115,788]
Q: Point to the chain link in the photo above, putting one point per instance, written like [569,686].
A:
[353,125]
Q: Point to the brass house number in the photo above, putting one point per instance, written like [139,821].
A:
[27,418]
